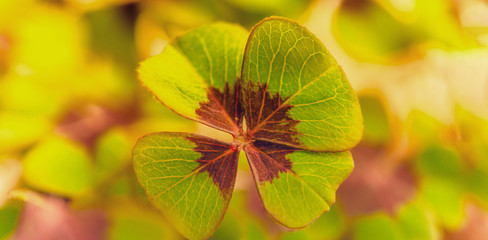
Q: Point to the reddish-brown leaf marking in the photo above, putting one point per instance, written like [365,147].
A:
[268,125]
[219,160]
[267,117]
[268,160]
[223,111]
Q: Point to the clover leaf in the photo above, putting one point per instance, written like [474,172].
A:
[283,98]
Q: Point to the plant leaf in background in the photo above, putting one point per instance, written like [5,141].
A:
[109,157]
[410,222]
[9,215]
[71,110]
[301,115]
[59,166]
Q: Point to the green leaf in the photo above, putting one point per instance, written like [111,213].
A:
[58,166]
[293,91]
[478,184]
[379,227]
[188,177]
[441,162]
[414,222]
[369,32]
[9,216]
[445,199]
[196,75]
[112,154]
[19,130]
[377,127]
[297,186]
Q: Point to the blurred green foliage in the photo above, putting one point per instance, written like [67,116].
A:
[68,171]
[9,215]
[71,109]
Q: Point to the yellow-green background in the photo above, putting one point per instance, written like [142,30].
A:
[71,109]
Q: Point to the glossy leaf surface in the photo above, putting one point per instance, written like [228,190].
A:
[188,177]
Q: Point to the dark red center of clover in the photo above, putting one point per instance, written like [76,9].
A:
[268,125]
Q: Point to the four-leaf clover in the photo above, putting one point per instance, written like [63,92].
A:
[283,98]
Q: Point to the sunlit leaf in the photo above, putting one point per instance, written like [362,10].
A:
[18,130]
[58,166]
[47,31]
[31,96]
[188,177]
[195,75]
[435,21]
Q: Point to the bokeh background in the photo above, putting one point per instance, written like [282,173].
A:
[71,109]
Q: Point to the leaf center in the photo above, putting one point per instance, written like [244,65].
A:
[241,141]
